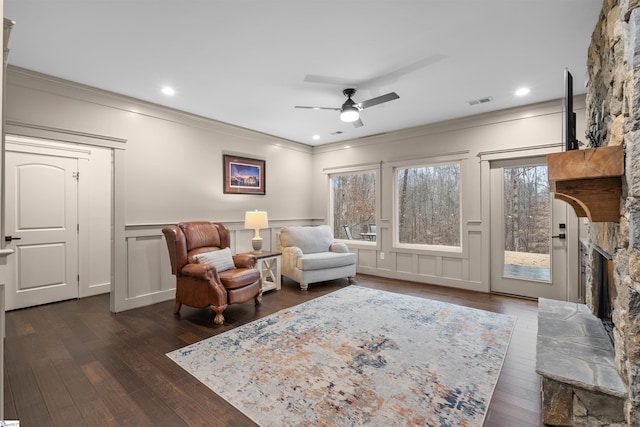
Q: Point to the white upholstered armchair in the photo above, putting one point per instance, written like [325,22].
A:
[310,255]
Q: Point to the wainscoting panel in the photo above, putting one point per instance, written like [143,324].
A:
[405,262]
[427,265]
[366,258]
[452,268]
[455,269]
[148,279]
[475,262]
[149,271]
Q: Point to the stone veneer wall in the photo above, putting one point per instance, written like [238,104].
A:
[613,115]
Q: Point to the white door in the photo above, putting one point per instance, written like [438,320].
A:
[41,226]
[528,231]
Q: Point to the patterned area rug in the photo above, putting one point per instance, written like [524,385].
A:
[358,356]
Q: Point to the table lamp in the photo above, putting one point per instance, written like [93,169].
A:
[256,220]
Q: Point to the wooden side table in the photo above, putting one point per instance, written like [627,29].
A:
[270,267]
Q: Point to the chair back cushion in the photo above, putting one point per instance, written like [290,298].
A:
[201,234]
[308,239]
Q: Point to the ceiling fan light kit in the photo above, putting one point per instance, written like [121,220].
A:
[349,114]
[350,111]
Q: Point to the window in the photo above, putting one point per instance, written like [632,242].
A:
[428,205]
[527,218]
[354,205]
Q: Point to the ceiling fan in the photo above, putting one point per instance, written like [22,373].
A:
[350,110]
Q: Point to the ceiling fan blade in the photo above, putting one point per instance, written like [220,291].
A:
[378,100]
[358,123]
[316,108]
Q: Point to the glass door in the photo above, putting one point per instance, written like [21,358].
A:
[528,231]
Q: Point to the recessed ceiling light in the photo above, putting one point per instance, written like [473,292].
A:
[167,90]
[523,91]
[316,137]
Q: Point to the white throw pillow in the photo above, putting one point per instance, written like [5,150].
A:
[221,260]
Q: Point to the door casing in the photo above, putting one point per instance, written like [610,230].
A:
[95,235]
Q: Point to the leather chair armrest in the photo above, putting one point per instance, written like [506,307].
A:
[339,247]
[245,261]
[201,271]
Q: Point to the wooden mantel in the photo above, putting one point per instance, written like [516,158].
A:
[589,180]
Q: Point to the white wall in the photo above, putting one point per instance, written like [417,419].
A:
[173,172]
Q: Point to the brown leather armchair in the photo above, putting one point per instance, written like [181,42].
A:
[202,285]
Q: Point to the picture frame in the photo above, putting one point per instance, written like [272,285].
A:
[243,175]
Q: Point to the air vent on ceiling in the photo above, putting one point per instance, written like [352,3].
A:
[481,100]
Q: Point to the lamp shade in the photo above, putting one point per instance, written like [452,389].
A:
[256,220]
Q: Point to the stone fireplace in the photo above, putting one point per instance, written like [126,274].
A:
[613,119]
[589,379]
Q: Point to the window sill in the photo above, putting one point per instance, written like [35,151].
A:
[450,251]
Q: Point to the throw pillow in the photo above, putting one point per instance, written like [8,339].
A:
[222,260]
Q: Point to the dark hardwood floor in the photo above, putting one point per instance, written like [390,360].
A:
[74,363]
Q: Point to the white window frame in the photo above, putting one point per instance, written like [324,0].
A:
[355,169]
[456,158]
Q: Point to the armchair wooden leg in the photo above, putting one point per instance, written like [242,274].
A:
[219,319]
[351,278]
[259,298]
[176,307]
[304,286]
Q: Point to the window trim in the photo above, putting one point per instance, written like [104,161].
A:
[397,246]
[356,169]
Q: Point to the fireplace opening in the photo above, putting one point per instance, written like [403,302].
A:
[604,289]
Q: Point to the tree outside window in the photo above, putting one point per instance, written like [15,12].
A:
[354,205]
[428,208]
[527,210]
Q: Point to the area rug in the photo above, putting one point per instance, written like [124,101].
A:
[358,356]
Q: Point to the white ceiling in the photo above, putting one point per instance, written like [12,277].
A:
[249,63]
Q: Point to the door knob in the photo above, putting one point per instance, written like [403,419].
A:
[559,236]
[10,238]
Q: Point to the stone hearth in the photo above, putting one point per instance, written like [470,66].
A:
[575,358]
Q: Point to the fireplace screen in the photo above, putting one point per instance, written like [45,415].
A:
[603,288]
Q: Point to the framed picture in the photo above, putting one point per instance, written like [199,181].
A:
[243,175]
